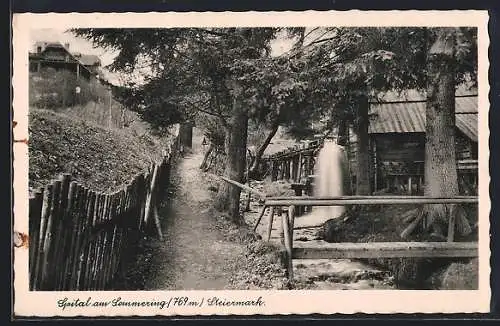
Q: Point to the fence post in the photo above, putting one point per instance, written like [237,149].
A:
[35,216]
[288,242]
[46,283]
[270,224]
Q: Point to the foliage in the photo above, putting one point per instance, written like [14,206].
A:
[96,157]
[52,89]
[189,70]
[367,61]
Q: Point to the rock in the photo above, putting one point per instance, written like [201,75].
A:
[460,276]
[332,230]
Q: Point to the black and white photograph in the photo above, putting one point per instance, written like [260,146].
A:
[300,158]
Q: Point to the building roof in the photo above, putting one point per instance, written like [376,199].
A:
[409,117]
[88,59]
[416,95]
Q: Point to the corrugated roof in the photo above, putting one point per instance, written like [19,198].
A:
[468,124]
[409,117]
[417,95]
[89,59]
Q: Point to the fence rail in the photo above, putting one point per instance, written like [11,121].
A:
[325,250]
[79,236]
[322,249]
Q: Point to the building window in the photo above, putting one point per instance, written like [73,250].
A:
[38,49]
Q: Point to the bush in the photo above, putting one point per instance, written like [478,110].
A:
[53,89]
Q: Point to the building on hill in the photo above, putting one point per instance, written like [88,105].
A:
[397,142]
[58,56]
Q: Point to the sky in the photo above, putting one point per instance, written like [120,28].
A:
[77,44]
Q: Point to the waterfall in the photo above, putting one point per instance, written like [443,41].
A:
[328,179]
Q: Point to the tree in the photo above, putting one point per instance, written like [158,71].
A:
[364,61]
[441,178]
[194,71]
[352,65]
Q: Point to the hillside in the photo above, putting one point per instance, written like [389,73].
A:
[96,157]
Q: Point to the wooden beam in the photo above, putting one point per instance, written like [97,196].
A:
[260,217]
[288,242]
[270,223]
[368,201]
[364,197]
[323,250]
[245,187]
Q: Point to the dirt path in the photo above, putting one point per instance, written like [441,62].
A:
[194,254]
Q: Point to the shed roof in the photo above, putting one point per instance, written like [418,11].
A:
[89,59]
[409,117]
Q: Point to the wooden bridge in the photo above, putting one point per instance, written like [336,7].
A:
[325,250]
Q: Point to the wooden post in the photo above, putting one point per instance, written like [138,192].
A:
[65,231]
[289,169]
[59,231]
[68,234]
[48,195]
[150,194]
[451,223]
[35,215]
[409,185]
[83,210]
[260,217]
[270,224]
[291,218]
[82,245]
[274,170]
[46,264]
[288,245]
[308,166]
[299,173]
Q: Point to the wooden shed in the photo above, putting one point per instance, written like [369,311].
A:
[397,144]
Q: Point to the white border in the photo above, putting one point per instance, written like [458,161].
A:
[276,302]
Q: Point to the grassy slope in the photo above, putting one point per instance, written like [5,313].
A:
[98,158]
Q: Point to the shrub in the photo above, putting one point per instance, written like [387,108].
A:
[53,89]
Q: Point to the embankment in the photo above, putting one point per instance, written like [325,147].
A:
[96,157]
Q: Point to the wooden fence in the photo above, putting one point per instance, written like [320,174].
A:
[79,237]
[293,164]
[322,249]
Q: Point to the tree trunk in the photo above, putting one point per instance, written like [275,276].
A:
[186,135]
[440,159]
[228,197]
[363,153]
[254,168]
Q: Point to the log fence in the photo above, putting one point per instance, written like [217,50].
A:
[322,249]
[325,250]
[79,237]
[293,164]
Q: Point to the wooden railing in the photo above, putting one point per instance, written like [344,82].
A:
[293,163]
[80,236]
[322,249]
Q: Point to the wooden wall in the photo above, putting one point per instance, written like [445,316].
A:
[397,156]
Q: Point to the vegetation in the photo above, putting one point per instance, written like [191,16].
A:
[54,89]
[228,76]
[98,158]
